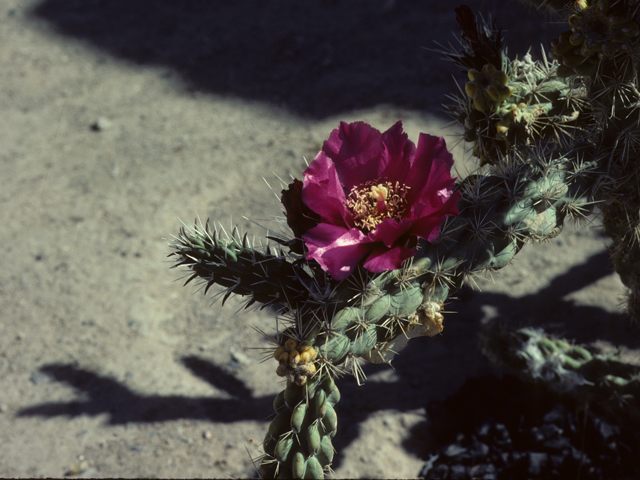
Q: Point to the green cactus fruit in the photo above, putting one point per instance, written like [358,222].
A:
[330,419]
[293,395]
[320,403]
[279,402]
[326,452]
[279,425]
[312,439]
[303,446]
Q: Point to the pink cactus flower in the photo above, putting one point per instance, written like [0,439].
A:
[368,197]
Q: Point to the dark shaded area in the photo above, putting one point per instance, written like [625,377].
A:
[496,429]
[315,58]
[105,395]
[217,377]
[547,309]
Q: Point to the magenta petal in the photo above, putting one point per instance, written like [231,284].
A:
[336,249]
[354,154]
[431,166]
[389,230]
[355,149]
[428,226]
[398,154]
[322,191]
[382,259]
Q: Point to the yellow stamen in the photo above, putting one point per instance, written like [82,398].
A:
[379,194]
[376,200]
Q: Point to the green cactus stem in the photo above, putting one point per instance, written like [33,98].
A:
[371,315]
[588,95]
[549,146]
[604,382]
[606,35]
[298,443]
[527,198]
[266,275]
[524,104]
[598,31]
[333,324]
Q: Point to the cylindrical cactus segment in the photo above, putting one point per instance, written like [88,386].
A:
[265,277]
[298,444]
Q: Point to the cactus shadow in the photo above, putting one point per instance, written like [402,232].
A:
[551,310]
[430,370]
[427,371]
[315,59]
[104,395]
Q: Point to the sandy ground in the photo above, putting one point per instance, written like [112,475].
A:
[121,118]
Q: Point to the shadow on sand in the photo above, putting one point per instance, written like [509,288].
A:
[315,59]
[548,309]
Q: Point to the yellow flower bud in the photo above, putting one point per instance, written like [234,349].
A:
[279,351]
[290,344]
[294,358]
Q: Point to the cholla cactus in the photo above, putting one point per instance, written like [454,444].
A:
[382,236]
[604,382]
[584,103]
[332,323]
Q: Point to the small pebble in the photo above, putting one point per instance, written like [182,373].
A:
[101,124]
[454,450]
[87,473]
[77,468]
[239,357]
[208,435]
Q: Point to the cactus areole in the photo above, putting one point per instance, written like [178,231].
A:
[368,197]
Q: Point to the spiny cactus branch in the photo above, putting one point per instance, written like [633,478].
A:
[604,382]
[266,275]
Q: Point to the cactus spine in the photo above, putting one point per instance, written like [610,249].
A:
[533,126]
[298,444]
[331,324]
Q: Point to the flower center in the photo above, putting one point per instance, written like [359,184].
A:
[376,200]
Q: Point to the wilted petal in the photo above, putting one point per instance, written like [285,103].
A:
[300,217]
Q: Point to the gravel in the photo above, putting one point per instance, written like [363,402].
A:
[495,429]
